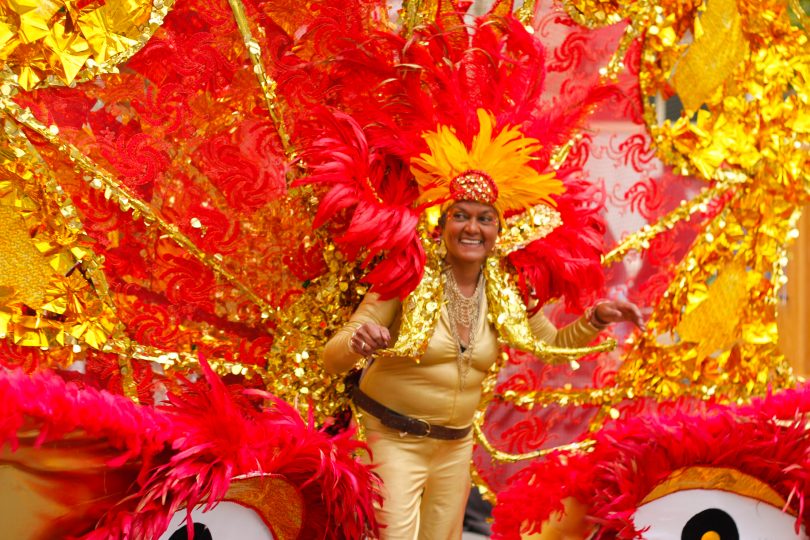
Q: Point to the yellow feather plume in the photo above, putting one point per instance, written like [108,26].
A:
[505,158]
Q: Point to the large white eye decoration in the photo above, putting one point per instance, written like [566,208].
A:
[255,508]
[702,503]
[226,521]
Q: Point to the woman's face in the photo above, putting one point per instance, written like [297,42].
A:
[470,232]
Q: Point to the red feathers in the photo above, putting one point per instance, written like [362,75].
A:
[629,460]
[187,453]
[388,92]
[567,262]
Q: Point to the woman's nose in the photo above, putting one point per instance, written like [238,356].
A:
[471,225]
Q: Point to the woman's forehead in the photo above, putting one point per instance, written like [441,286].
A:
[473,207]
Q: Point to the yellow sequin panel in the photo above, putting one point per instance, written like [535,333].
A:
[524,228]
[507,313]
[24,272]
[715,306]
[420,310]
[718,49]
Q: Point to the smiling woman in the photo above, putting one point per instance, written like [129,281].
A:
[418,413]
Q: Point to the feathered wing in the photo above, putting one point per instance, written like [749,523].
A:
[367,201]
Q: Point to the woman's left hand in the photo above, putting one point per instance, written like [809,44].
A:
[614,311]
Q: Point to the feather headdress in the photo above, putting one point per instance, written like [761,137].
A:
[455,113]
[495,169]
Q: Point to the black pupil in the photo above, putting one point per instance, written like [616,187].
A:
[709,520]
[201,532]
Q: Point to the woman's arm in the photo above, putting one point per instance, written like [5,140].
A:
[577,334]
[580,332]
[369,325]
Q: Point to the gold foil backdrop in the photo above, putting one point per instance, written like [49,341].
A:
[724,96]
[136,238]
[49,42]
[713,331]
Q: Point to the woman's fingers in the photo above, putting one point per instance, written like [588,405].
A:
[631,313]
[636,317]
[379,336]
[614,311]
[369,338]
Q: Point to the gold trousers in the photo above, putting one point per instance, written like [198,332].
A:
[425,483]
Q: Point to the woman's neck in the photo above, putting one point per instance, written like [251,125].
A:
[466,276]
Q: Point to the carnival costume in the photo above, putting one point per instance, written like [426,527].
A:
[162,163]
[131,285]
[418,404]
[426,476]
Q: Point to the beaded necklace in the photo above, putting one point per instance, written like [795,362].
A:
[464,312]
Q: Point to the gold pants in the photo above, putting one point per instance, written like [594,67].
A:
[425,483]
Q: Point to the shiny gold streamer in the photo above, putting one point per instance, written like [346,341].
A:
[98,178]
[267,84]
[601,397]
[181,361]
[525,13]
[506,457]
[640,240]
[416,13]
[597,13]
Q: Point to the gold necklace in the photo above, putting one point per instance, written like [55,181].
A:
[463,312]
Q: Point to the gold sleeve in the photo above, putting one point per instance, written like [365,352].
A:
[337,356]
[577,334]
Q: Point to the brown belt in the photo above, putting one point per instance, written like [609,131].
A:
[406,424]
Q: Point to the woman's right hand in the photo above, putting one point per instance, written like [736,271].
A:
[369,338]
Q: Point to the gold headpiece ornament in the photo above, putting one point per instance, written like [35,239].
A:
[495,170]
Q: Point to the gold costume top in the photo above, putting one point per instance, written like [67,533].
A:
[430,389]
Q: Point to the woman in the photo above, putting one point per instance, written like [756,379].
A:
[418,416]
